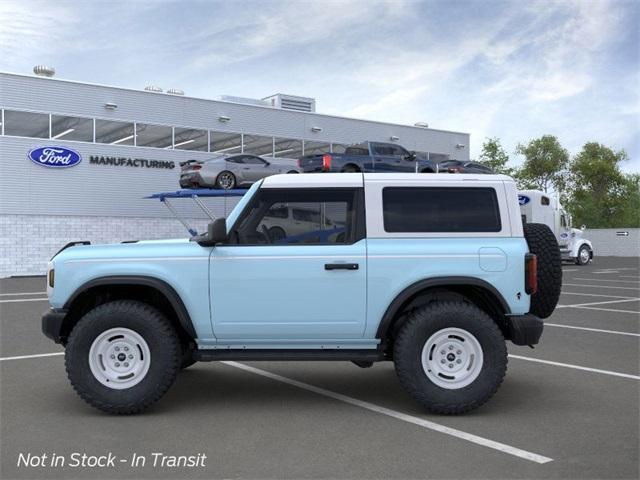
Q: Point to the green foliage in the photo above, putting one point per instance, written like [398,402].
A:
[495,157]
[544,165]
[600,195]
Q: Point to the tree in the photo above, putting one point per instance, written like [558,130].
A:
[545,164]
[601,195]
[494,156]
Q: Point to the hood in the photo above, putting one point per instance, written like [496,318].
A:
[141,249]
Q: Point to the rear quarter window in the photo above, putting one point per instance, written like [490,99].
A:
[440,209]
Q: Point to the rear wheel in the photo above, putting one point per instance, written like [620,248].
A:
[350,169]
[226,180]
[122,356]
[584,255]
[542,242]
[276,234]
[450,356]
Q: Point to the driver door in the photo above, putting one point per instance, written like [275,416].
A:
[276,281]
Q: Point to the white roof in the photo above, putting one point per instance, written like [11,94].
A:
[310,180]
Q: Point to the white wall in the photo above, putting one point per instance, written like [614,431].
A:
[606,242]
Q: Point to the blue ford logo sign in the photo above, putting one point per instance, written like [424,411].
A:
[55,157]
[523,199]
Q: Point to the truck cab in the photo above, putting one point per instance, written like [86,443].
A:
[539,207]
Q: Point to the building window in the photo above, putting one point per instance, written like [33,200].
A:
[287,148]
[316,148]
[26,124]
[221,142]
[157,136]
[71,128]
[190,139]
[113,132]
[258,145]
[440,209]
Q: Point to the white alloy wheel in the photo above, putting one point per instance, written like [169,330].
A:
[584,255]
[452,358]
[119,358]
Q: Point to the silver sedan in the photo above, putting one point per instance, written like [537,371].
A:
[231,171]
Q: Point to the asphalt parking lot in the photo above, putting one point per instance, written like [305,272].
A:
[567,409]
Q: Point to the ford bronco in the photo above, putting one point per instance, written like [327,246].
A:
[429,271]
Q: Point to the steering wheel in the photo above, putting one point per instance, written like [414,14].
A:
[265,232]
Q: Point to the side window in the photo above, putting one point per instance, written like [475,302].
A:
[544,201]
[253,160]
[563,221]
[238,159]
[399,151]
[302,217]
[440,209]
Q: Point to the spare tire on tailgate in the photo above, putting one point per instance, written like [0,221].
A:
[542,242]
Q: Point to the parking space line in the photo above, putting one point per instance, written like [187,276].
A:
[576,367]
[485,442]
[546,324]
[23,357]
[598,303]
[605,280]
[584,294]
[21,293]
[600,286]
[610,310]
[629,276]
[570,269]
[25,300]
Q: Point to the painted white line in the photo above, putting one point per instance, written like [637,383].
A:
[605,280]
[600,286]
[592,295]
[598,303]
[570,269]
[630,276]
[23,357]
[576,367]
[599,330]
[21,293]
[25,300]
[485,442]
[610,310]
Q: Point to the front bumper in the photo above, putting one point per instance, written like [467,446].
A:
[525,329]
[52,325]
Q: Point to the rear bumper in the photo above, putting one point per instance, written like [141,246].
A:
[52,322]
[525,329]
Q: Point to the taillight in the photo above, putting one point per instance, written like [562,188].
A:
[326,162]
[299,162]
[454,169]
[196,167]
[530,273]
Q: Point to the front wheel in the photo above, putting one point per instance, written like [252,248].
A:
[450,356]
[584,255]
[122,356]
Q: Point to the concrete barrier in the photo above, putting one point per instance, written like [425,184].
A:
[614,242]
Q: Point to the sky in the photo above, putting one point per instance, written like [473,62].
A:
[514,70]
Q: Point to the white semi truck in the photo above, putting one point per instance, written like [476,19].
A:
[539,207]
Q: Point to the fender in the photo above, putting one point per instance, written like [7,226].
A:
[160,285]
[414,288]
[577,245]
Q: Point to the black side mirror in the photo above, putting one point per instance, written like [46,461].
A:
[216,233]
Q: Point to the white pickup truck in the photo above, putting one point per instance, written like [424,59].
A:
[539,207]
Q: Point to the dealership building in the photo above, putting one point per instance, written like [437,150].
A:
[127,144]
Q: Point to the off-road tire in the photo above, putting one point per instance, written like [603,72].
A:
[158,333]
[420,325]
[542,242]
[187,356]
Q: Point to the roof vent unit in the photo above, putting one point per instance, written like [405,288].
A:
[243,100]
[421,124]
[175,91]
[153,88]
[44,71]
[292,102]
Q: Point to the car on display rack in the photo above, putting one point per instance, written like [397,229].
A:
[432,272]
[231,171]
[539,207]
[462,166]
[368,157]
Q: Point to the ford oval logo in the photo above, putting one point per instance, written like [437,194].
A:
[523,199]
[55,157]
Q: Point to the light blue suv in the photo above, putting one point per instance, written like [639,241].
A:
[433,272]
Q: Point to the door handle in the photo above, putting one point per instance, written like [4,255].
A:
[341,266]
